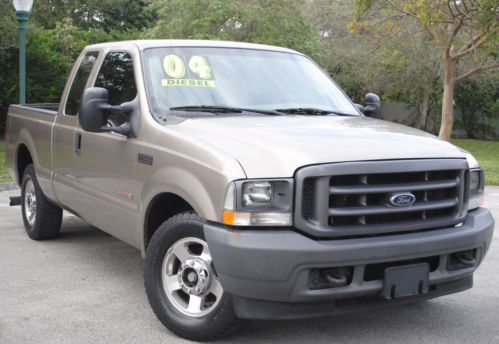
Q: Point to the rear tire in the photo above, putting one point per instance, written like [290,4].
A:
[42,219]
[178,271]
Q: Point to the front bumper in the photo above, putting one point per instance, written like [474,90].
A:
[267,271]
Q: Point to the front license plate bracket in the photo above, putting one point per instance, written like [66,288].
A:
[406,280]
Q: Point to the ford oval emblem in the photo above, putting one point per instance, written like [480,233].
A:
[402,199]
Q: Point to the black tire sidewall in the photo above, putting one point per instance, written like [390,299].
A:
[166,235]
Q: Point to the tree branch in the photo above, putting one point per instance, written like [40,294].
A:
[415,16]
[476,70]
[400,9]
[476,42]
[467,12]
[452,32]
[456,29]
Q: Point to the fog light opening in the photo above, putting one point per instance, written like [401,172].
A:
[462,260]
[330,277]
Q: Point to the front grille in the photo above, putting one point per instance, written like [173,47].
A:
[351,199]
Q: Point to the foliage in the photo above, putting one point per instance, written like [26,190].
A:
[487,154]
[478,100]
[4,175]
[401,69]
[382,50]
[277,22]
[462,33]
[340,53]
[51,49]
[95,14]
[59,29]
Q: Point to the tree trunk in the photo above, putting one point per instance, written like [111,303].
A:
[424,108]
[448,100]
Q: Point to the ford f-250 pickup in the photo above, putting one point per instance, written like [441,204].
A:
[254,187]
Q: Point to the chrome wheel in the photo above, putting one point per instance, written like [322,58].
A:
[30,202]
[188,278]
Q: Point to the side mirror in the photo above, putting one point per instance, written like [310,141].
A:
[372,106]
[92,114]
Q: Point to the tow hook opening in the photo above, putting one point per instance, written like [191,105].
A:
[330,277]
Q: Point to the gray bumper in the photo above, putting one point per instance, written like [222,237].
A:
[274,265]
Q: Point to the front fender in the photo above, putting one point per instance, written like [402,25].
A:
[204,192]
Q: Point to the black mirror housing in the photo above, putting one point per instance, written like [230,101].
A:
[92,114]
[372,105]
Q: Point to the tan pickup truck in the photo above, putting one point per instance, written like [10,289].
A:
[251,183]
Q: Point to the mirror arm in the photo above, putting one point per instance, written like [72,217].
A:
[369,108]
[125,109]
[359,107]
[123,130]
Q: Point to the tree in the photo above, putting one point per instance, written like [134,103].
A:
[403,68]
[278,22]
[57,32]
[95,14]
[341,53]
[464,33]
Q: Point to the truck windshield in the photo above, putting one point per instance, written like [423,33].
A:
[242,78]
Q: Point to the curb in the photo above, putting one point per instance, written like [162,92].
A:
[8,186]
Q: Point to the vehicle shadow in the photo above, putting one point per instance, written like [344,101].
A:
[435,321]
[104,252]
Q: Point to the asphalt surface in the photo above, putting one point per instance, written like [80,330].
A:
[86,287]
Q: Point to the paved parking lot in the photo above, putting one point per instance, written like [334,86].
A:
[86,287]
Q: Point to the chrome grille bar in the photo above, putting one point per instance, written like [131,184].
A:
[361,189]
[377,210]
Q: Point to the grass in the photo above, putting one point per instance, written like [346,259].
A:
[4,175]
[487,154]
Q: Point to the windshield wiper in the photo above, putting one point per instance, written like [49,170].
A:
[223,109]
[312,111]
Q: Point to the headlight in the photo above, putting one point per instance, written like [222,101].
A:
[257,194]
[476,187]
[259,203]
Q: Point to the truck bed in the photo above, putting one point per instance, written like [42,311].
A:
[47,108]
[32,125]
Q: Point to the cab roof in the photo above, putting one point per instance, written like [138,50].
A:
[165,43]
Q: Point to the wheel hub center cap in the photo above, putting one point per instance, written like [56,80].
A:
[194,277]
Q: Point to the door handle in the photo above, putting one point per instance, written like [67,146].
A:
[77,145]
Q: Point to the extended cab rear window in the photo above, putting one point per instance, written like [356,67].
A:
[79,82]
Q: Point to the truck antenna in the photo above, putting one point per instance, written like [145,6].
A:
[171,22]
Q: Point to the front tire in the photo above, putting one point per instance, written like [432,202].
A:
[42,219]
[181,283]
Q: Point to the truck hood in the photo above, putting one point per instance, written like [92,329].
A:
[275,146]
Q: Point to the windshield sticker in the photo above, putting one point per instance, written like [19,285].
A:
[174,66]
[199,73]
[188,82]
[200,66]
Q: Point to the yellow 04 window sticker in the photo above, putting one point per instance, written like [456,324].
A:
[174,66]
[199,73]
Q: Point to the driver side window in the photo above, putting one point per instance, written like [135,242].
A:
[116,75]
